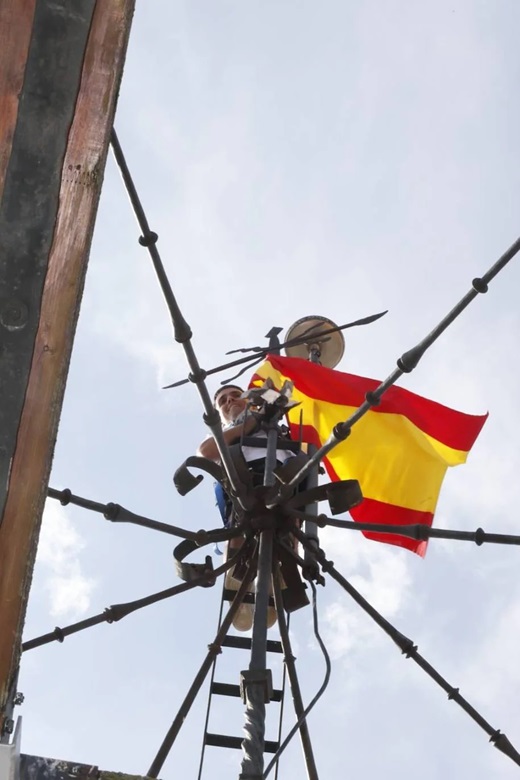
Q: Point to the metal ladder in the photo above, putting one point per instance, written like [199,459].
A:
[219,689]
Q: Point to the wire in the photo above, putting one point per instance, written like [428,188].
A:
[328,669]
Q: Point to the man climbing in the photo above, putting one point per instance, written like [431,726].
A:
[232,406]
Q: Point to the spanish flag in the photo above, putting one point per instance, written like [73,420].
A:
[398,451]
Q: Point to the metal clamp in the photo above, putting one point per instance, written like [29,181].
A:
[256,677]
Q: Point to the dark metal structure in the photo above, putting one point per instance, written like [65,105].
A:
[268,517]
[269,514]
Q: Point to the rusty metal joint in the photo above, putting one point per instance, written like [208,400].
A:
[256,677]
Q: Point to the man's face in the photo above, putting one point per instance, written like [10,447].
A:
[229,404]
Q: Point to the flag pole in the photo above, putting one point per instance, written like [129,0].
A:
[255,682]
[323,350]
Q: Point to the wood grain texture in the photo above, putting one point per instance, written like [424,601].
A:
[14,14]
[79,195]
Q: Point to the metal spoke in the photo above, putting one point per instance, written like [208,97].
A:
[182,331]
[118,514]
[409,649]
[405,364]
[418,531]
[262,352]
[119,611]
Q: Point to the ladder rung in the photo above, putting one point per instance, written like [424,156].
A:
[249,598]
[244,643]
[222,740]
[227,689]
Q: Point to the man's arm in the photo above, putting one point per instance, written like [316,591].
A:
[208,448]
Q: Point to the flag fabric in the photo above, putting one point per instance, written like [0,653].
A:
[399,451]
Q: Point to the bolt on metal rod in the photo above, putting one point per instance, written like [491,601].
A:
[118,514]
[256,680]
[405,365]
[408,648]
[418,531]
[119,611]
[181,329]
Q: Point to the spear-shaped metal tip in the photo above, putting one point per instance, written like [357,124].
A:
[503,744]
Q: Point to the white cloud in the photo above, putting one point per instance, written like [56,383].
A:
[493,672]
[68,588]
[379,573]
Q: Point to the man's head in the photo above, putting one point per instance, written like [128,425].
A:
[228,402]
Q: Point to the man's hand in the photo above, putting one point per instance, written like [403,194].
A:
[208,448]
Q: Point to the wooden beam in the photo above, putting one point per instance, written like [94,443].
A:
[55,143]
[13,56]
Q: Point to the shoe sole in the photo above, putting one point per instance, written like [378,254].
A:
[243,620]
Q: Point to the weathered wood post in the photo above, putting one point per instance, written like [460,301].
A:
[60,68]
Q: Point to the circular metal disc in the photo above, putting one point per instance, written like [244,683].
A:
[328,349]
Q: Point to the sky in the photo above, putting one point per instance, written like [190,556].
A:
[295,158]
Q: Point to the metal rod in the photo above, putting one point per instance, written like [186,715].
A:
[408,648]
[118,514]
[182,331]
[282,710]
[214,650]
[311,511]
[261,352]
[115,512]
[328,668]
[289,659]
[405,364]
[119,611]
[212,678]
[256,681]
[418,531]
[311,528]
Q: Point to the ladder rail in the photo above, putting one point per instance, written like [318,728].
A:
[214,649]
[321,691]
[216,689]
[282,706]
[212,678]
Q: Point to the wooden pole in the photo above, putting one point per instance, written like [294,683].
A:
[62,64]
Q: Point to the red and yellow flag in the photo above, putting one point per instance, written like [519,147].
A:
[398,451]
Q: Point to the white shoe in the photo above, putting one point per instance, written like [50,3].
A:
[243,620]
[271,611]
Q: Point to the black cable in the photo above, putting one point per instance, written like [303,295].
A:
[321,691]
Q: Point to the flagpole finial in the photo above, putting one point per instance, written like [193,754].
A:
[321,345]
